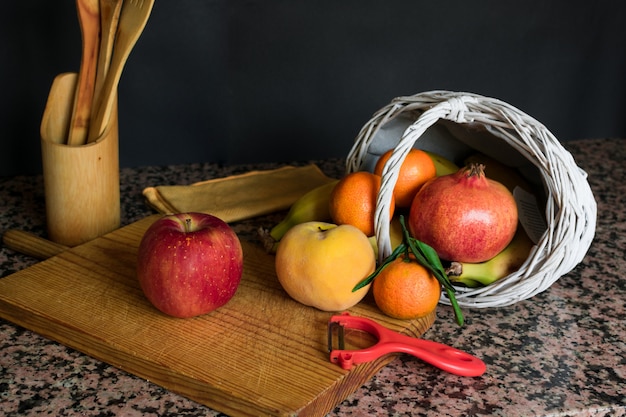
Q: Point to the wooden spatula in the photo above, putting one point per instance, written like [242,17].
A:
[109,18]
[133,19]
[89,18]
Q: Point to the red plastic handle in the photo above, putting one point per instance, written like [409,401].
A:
[442,356]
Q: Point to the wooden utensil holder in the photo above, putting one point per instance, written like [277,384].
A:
[82,187]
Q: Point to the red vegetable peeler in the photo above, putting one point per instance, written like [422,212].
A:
[444,357]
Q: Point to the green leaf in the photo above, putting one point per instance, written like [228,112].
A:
[426,256]
[458,314]
[382,266]
[430,254]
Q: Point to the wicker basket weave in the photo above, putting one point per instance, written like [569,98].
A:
[453,124]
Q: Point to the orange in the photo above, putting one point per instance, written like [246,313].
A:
[417,168]
[353,201]
[406,290]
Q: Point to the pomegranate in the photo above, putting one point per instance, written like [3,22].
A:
[465,216]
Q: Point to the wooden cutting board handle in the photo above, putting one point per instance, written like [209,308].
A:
[32,245]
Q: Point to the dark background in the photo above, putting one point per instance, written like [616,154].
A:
[237,81]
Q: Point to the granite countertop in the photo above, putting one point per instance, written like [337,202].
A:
[561,352]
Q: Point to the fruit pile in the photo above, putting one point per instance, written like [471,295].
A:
[461,230]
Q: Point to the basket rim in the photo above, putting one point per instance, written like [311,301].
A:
[570,210]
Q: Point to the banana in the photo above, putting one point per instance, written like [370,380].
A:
[395,235]
[312,206]
[497,171]
[442,165]
[374,244]
[484,273]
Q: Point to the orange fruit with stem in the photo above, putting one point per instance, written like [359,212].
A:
[416,169]
[353,201]
[404,289]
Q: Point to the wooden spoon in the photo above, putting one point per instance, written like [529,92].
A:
[109,18]
[133,19]
[89,18]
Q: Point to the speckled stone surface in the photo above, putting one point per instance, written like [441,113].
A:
[560,353]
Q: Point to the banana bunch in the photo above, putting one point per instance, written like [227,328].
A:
[513,256]
[312,206]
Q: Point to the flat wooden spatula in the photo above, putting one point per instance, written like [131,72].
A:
[89,18]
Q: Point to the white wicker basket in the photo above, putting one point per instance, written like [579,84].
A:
[454,124]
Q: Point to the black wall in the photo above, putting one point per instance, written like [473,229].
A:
[236,81]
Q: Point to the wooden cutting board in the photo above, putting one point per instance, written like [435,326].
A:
[260,354]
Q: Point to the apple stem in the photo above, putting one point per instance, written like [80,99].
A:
[187,224]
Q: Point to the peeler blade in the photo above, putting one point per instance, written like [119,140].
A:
[335,328]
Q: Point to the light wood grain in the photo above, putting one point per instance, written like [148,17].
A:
[109,18]
[31,244]
[89,18]
[260,354]
[81,183]
[56,117]
[132,20]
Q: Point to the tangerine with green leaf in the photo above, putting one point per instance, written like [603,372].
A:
[404,289]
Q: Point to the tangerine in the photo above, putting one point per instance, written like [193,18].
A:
[404,289]
[417,168]
[353,201]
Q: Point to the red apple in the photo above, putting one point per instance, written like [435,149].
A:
[189,264]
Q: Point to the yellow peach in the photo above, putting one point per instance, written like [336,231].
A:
[318,264]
